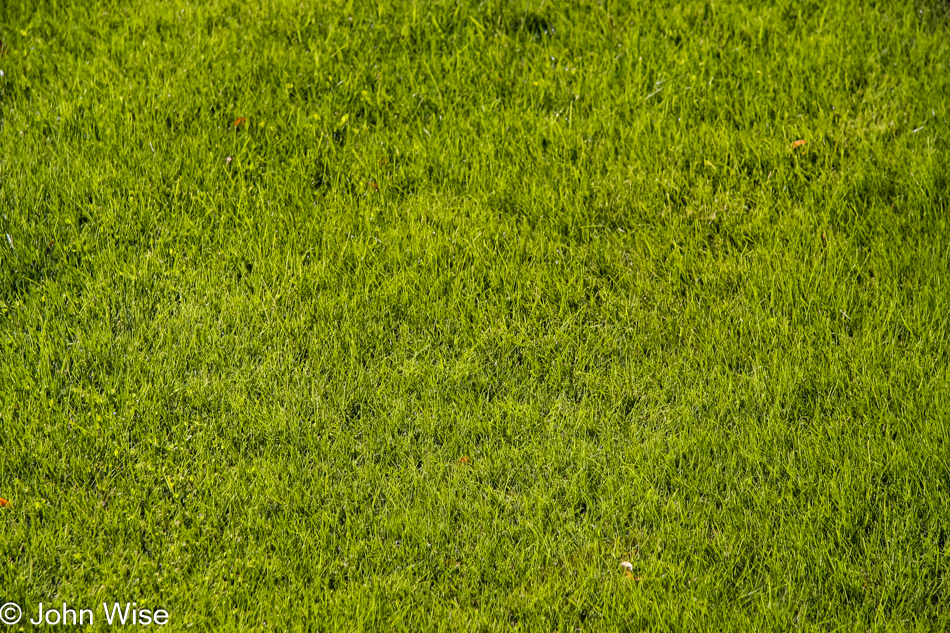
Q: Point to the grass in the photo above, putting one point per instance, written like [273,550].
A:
[478,301]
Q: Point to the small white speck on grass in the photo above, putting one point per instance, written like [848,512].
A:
[9,240]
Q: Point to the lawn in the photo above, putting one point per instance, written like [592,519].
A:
[410,316]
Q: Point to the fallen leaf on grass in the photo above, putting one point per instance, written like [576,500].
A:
[238,122]
[4,503]
[464,460]
[798,143]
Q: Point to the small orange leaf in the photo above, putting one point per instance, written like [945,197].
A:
[798,143]
[238,122]
[374,185]
[464,460]
[3,502]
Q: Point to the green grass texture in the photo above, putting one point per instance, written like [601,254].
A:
[426,316]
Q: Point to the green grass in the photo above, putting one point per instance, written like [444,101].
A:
[570,242]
